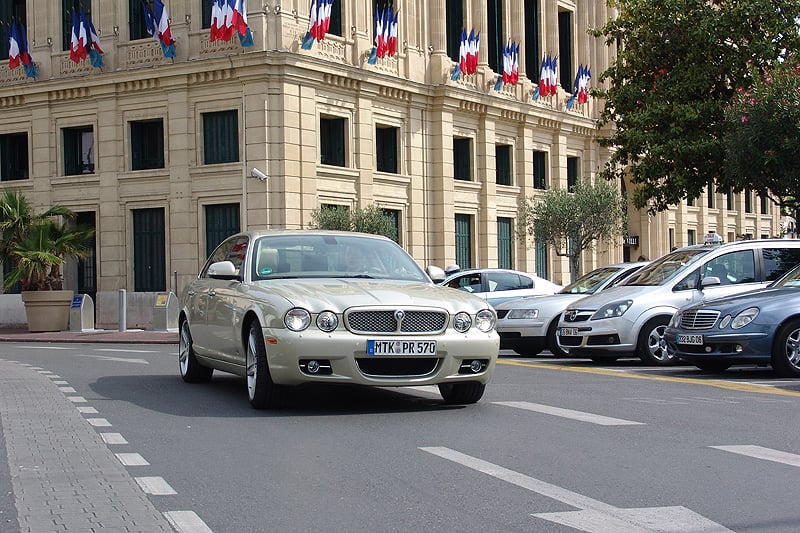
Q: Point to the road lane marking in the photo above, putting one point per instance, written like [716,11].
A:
[186,522]
[87,410]
[76,399]
[131,459]
[728,385]
[67,389]
[113,438]
[569,413]
[123,350]
[99,422]
[157,486]
[594,516]
[60,382]
[759,452]
[116,359]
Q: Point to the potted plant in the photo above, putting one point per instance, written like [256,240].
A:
[36,245]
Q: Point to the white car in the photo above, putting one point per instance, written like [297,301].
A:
[498,285]
[287,307]
[528,325]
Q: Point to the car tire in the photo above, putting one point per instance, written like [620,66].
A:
[602,360]
[526,350]
[261,391]
[191,370]
[651,347]
[713,367]
[786,350]
[461,393]
[552,342]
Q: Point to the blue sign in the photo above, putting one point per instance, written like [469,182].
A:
[77,301]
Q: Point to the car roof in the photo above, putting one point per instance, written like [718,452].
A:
[275,232]
[490,269]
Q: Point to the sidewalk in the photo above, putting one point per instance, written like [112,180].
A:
[131,336]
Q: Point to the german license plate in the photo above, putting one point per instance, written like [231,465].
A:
[567,332]
[407,347]
[690,339]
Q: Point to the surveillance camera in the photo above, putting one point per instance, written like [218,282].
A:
[258,174]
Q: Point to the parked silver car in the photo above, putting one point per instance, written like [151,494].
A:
[287,307]
[528,325]
[630,319]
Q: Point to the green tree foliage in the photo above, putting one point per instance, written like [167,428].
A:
[572,221]
[763,138]
[371,219]
[677,66]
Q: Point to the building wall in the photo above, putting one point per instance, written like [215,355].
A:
[279,92]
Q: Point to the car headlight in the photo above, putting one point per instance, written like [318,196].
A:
[675,320]
[744,318]
[462,322]
[724,322]
[612,310]
[522,314]
[327,321]
[297,319]
[485,320]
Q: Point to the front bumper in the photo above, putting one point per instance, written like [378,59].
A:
[735,348]
[610,336]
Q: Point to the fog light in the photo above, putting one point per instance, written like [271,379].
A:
[708,349]
[476,366]
[312,367]
[738,348]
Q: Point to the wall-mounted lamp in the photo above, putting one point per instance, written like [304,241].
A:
[188,18]
[353,30]
[265,9]
[430,48]
[278,9]
[116,30]
[49,41]
[294,13]
[255,173]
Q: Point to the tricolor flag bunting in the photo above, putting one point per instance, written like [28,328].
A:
[18,49]
[467,54]
[581,92]
[157,24]
[385,35]
[319,22]
[229,17]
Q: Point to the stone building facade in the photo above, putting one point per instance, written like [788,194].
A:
[157,153]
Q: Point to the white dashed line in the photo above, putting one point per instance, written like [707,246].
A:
[186,522]
[759,452]
[113,438]
[156,486]
[67,389]
[60,382]
[131,459]
[87,410]
[76,399]
[569,413]
[99,422]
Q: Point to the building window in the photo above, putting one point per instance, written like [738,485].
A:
[690,202]
[87,266]
[222,221]
[495,40]
[206,13]
[332,140]
[464,241]
[147,144]
[462,159]
[691,237]
[748,201]
[220,137]
[335,27]
[711,196]
[729,200]
[764,205]
[149,251]
[14,156]
[573,164]
[68,7]
[540,249]
[565,49]
[454,21]
[531,42]
[502,156]
[136,25]
[78,150]
[394,216]
[10,10]
[386,148]
[671,238]
[539,170]
[505,243]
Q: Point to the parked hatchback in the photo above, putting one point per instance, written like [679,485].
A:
[528,325]
[759,327]
[630,319]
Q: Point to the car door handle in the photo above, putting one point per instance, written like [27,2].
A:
[212,292]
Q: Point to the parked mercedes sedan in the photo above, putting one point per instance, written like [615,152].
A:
[760,327]
[528,325]
[287,307]
[498,285]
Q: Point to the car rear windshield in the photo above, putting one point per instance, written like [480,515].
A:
[662,270]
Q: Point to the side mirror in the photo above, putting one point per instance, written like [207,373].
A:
[435,273]
[709,281]
[223,270]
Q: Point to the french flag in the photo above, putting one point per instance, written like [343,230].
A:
[552,83]
[514,78]
[226,30]
[393,35]
[164,33]
[217,20]
[583,84]
[473,44]
[13,47]
[78,39]
[240,22]
[319,22]
[506,77]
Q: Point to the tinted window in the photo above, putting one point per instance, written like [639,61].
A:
[507,281]
[733,268]
[779,260]
[233,250]
[661,270]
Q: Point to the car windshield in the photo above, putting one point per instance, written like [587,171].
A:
[790,279]
[332,256]
[662,270]
[589,283]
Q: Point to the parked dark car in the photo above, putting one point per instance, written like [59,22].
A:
[760,327]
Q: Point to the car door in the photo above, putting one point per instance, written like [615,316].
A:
[504,286]
[221,320]
[735,272]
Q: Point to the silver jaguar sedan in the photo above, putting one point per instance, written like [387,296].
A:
[286,307]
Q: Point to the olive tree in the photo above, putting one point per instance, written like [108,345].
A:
[370,219]
[571,221]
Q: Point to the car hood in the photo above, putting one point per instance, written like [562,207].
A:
[615,294]
[338,294]
[762,298]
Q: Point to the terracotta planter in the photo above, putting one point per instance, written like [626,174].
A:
[47,310]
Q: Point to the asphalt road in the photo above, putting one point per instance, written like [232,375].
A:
[555,445]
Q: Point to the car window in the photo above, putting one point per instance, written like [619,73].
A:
[588,283]
[663,270]
[790,279]
[507,281]
[777,261]
[732,268]
[688,282]
[233,250]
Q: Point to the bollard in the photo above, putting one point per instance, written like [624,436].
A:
[123,310]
